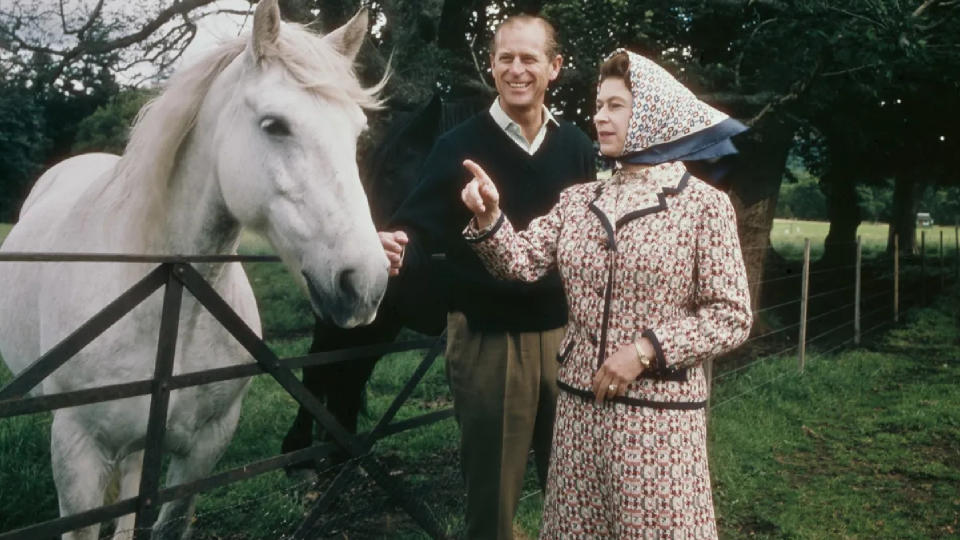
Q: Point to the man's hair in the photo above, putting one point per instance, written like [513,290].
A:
[551,49]
[618,67]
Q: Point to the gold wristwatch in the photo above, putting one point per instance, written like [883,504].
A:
[645,360]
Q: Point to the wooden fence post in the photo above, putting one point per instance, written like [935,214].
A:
[856,295]
[803,303]
[941,260]
[923,268]
[896,278]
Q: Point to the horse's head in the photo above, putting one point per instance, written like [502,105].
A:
[286,163]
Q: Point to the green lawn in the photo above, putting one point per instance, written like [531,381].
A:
[862,445]
[788,236]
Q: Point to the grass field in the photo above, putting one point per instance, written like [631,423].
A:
[788,236]
[862,445]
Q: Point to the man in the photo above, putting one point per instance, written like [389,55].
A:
[502,338]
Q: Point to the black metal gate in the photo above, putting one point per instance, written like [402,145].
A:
[173,274]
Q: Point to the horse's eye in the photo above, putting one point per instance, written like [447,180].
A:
[275,126]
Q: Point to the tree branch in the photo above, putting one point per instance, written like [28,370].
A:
[743,50]
[91,20]
[851,70]
[923,7]
[859,16]
[63,18]
[181,7]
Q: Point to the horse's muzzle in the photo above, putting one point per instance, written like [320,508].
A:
[352,300]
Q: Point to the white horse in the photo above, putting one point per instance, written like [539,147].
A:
[259,134]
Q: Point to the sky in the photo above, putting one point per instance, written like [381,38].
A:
[217,28]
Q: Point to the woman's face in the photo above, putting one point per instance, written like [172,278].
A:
[614,107]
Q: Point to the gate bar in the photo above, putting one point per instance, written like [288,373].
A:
[148,507]
[81,337]
[208,297]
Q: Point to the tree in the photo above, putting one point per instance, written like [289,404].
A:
[108,128]
[22,143]
[122,36]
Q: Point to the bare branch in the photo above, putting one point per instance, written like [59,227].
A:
[476,64]
[797,90]
[858,16]
[181,7]
[852,70]
[923,7]
[63,19]
[91,20]
[743,50]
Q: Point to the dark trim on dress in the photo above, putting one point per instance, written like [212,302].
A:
[607,226]
[635,402]
[661,360]
[678,375]
[562,355]
[487,234]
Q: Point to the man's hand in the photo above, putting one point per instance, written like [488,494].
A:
[394,243]
[481,196]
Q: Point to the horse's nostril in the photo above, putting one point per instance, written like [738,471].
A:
[345,281]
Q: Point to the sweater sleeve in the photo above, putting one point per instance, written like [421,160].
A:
[426,213]
[721,319]
[525,255]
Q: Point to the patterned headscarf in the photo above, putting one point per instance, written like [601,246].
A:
[669,123]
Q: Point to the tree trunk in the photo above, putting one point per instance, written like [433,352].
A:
[755,185]
[843,210]
[903,222]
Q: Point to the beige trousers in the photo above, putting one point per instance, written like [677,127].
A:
[504,388]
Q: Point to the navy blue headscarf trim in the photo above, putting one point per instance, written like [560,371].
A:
[701,152]
[710,143]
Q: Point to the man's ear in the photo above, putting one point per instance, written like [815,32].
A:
[555,66]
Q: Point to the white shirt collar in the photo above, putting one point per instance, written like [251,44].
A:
[513,130]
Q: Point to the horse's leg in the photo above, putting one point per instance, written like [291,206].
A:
[340,384]
[300,434]
[210,441]
[344,383]
[80,471]
[130,469]
[345,391]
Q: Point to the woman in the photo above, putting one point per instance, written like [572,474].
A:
[655,281]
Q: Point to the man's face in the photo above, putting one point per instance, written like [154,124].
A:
[520,66]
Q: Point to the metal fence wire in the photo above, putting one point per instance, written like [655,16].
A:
[844,311]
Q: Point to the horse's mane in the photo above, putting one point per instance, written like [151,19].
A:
[165,122]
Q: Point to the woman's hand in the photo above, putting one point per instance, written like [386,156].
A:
[481,196]
[619,370]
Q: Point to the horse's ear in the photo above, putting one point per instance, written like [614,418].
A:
[266,26]
[348,38]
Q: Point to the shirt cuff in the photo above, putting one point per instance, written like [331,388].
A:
[474,234]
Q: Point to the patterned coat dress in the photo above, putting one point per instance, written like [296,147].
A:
[652,254]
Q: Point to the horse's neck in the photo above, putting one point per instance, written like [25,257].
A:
[197,220]
[186,216]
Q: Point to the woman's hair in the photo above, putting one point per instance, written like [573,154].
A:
[617,66]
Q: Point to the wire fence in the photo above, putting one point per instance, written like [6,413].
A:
[832,316]
[876,296]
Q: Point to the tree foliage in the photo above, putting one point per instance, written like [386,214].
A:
[108,128]
[22,145]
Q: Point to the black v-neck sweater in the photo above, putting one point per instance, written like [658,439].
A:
[529,186]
